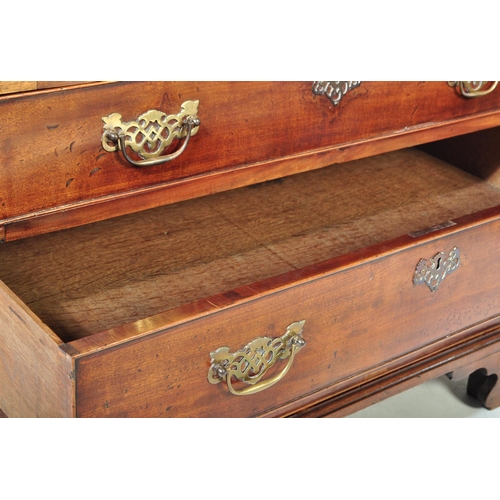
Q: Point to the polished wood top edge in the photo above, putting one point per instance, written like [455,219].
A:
[340,402]
[255,291]
[51,90]
[93,210]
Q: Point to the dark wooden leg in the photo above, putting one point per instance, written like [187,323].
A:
[484,388]
[483,380]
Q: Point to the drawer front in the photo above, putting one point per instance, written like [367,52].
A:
[356,320]
[52,152]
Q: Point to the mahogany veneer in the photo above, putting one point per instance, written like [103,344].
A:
[118,316]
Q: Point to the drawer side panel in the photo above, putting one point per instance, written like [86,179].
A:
[36,377]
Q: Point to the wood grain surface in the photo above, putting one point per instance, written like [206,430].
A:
[89,279]
[476,153]
[479,351]
[118,318]
[358,320]
[11,87]
[36,375]
[14,87]
[60,162]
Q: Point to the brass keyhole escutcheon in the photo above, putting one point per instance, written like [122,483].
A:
[433,271]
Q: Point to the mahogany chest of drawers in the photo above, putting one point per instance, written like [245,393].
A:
[242,249]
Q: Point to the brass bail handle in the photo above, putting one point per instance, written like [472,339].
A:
[151,134]
[474,89]
[250,364]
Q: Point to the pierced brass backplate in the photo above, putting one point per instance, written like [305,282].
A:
[151,133]
[333,90]
[251,363]
[432,272]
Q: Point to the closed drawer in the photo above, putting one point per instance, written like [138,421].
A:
[120,317]
[55,172]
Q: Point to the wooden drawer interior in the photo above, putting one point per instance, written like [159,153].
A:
[89,279]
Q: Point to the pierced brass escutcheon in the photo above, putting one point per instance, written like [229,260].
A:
[333,90]
[251,363]
[151,134]
[432,272]
[474,89]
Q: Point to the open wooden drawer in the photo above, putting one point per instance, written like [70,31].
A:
[127,317]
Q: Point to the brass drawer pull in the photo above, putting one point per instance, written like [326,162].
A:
[151,134]
[251,363]
[474,89]
[432,272]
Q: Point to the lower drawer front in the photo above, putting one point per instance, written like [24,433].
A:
[356,318]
